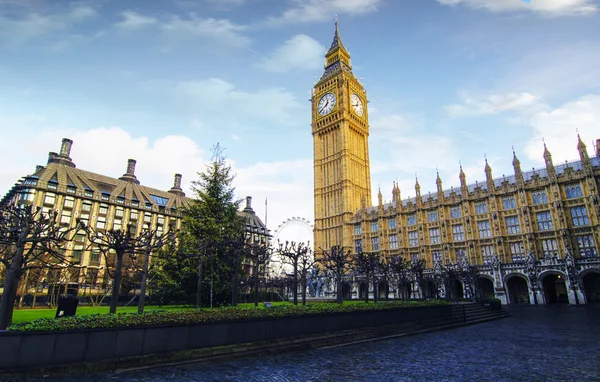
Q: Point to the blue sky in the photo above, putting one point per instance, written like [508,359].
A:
[449,81]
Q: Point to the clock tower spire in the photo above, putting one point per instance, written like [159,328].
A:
[340,129]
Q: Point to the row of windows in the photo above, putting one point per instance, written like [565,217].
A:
[585,245]
[544,220]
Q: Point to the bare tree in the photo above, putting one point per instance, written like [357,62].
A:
[368,265]
[114,245]
[400,269]
[259,255]
[151,241]
[306,262]
[416,268]
[338,262]
[291,253]
[385,269]
[29,239]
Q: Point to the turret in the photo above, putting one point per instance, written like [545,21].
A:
[583,155]
[549,165]
[464,189]
[518,173]
[380,198]
[488,176]
[418,191]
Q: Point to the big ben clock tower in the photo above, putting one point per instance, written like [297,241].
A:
[340,130]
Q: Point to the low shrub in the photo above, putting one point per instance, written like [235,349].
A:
[190,317]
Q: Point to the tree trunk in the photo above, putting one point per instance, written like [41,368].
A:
[234,280]
[199,286]
[374,290]
[7,302]
[303,288]
[144,281]
[256,281]
[295,292]
[339,289]
[116,283]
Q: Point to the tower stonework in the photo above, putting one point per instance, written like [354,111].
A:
[340,129]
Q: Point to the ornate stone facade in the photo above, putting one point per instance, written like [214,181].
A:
[534,235]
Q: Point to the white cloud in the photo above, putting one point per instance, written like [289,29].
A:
[134,20]
[549,8]
[299,52]
[32,25]
[288,185]
[558,129]
[492,104]
[304,11]
[214,98]
[221,30]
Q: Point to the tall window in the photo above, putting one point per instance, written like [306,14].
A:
[573,191]
[413,238]
[50,198]
[579,215]
[544,220]
[517,252]
[375,243]
[103,210]
[549,247]
[484,228]
[411,219]
[481,208]
[65,218]
[458,232]
[512,225]
[393,241]
[414,257]
[101,222]
[391,223]
[436,256]
[95,257]
[86,206]
[358,246]
[374,226]
[434,236]
[455,212]
[586,246]
[133,215]
[27,194]
[432,216]
[461,253]
[487,252]
[119,211]
[69,202]
[357,229]
[509,203]
[539,197]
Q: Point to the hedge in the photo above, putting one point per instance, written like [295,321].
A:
[191,317]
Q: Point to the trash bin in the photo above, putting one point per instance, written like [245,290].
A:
[67,306]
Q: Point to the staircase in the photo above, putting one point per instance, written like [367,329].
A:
[476,313]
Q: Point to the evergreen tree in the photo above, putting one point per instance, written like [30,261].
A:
[203,266]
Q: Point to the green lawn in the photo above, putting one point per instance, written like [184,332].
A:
[25,315]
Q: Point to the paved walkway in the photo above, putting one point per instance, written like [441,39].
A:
[553,343]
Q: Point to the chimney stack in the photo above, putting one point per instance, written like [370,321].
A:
[129,176]
[39,168]
[176,189]
[598,147]
[249,205]
[65,148]
[131,167]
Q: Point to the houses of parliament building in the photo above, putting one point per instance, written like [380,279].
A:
[534,234]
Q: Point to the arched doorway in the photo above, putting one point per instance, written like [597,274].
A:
[430,289]
[591,286]
[363,291]
[346,291]
[458,290]
[485,288]
[382,289]
[555,290]
[518,291]
[404,291]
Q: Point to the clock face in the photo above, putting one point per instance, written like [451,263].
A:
[357,105]
[326,104]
